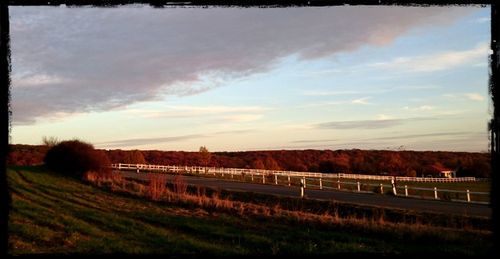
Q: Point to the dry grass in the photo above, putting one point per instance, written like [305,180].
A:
[156,190]
[156,187]
[180,185]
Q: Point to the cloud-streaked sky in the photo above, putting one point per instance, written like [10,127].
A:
[252,78]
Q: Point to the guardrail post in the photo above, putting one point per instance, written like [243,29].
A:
[302,186]
[232,175]
[381,188]
[251,175]
[304,181]
[359,187]
[276,179]
[338,184]
[468,196]
[406,190]
[119,166]
[320,184]
[222,172]
[435,193]
[263,178]
[393,183]
[288,180]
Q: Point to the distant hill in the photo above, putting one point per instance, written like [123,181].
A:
[404,163]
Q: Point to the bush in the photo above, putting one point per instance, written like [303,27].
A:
[75,158]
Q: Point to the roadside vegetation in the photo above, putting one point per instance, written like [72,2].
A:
[55,213]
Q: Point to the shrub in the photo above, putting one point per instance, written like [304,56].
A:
[75,158]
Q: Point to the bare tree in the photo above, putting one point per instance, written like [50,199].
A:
[50,141]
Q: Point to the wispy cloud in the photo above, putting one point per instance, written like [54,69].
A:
[428,135]
[329,93]
[314,140]
[468,96]
[419,108]
[195,111]
[378,90]
[437,61]
[157,140]
[361,101]
[358,101]
[369,124]
[38,80]
[474,96]
[147,141]
[230,132]
[384,117]
[482,20]
[243,117]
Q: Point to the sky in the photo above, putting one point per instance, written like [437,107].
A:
[238,79]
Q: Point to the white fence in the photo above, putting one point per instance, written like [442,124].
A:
[239,171]
[327,181]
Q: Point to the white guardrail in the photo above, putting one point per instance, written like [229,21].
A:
[326,181]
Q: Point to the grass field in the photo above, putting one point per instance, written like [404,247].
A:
[51,213]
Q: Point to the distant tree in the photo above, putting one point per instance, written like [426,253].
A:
[258,164]
[75,158]
[134,157]
[326,166]
[411,173]
[205,155]
[271,164]
[313,168]
[50,141]
[332,166]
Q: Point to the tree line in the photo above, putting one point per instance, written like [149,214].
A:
[397,163]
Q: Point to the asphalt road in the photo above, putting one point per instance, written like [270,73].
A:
[369,199]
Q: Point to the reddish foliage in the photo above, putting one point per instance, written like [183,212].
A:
[353,161]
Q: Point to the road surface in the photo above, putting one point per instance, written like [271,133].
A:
[369,199]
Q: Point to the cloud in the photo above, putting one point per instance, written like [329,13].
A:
[474,96]
[96,59]
[146,141]
[436,134]
[235,132]
[420,108]
[329,93]
[482,20]
[437,61]
[196,111]
[468,96]
[314,140]
[384,117]
[360,101]
[368,124]
[243,117]
[458,141]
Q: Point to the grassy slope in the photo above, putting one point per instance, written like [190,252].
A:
[55,214]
